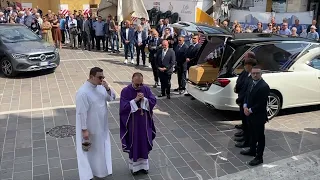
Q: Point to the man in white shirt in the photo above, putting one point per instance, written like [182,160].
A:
[73,31]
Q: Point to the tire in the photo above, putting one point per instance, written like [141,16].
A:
[7,68]
[273,105]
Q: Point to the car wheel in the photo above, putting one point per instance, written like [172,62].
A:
[7,68]
[273,106]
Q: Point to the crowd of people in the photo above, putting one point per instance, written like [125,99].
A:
[297,30]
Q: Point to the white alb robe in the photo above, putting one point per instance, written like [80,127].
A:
[92,114]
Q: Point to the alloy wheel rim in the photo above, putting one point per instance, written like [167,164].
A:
[272,106]
[6,67]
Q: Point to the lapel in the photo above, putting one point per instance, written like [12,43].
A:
[164,55]
[255,88]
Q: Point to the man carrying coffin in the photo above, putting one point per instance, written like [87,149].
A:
[137,129]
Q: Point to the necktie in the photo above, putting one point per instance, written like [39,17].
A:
[163,54]
[252,86]
[156,42]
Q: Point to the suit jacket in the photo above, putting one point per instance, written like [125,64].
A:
[168,61]
[79,23]
[181,53]
[241,86]
[256,99]
[192,54]
[154,45]
[160,30]
[143,36]
[87,26]
[131,35]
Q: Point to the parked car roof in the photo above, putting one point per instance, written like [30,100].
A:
[10,24]
[248,38]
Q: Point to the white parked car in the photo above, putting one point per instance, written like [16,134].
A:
[291,67]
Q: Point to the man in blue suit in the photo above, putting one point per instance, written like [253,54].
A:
[140,43]
[128,38]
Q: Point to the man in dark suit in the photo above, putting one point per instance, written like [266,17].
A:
[86,36]
[181,67]
[243,80]
[127,37]
[92,31]
[166,59]
[192,53]
[140,43]
[160,27]
[255,108]
[154,45]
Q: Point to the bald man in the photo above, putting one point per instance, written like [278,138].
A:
[165,59]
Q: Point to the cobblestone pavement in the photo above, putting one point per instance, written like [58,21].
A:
[193,141]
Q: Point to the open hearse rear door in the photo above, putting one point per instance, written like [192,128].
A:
[210,56]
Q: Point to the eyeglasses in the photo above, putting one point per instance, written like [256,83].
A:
[100,77]
[270,25]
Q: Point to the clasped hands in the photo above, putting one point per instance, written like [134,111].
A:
[246,111]
[162,69]
[139,97]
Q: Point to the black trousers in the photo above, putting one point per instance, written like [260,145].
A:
[182,78]
[86,40]
[107,43]
[63,38]
[165,80]
[79,38]
[258,141]
[140,49]
[93,39]
[153,63]
[98,39]
[245,126]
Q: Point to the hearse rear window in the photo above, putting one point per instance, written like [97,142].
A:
[278,56]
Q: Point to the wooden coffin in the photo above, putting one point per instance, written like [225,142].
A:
[203,73]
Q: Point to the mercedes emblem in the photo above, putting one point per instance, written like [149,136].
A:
[43,57]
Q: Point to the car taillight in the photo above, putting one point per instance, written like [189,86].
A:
[221,82]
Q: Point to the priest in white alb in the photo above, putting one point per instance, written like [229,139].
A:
[92,131]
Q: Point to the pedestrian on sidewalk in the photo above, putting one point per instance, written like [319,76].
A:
[137,130]
[92,131]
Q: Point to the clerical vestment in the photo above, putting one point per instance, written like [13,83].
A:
[137,129]
[92,114]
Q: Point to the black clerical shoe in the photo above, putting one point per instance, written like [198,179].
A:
[145,171]
[239,139]
[168,96]
[242,145]
[187,94]
[238,134]
[239,126]
[155,85]
[134,173]
[193,98]
[256,161]
[161,95]
[247,152]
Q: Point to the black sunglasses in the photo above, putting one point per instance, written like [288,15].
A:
[101,77]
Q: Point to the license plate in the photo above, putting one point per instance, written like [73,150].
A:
[44,63]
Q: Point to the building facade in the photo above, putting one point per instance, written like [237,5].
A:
[55,5]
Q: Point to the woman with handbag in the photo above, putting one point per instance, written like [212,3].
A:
[46,30]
